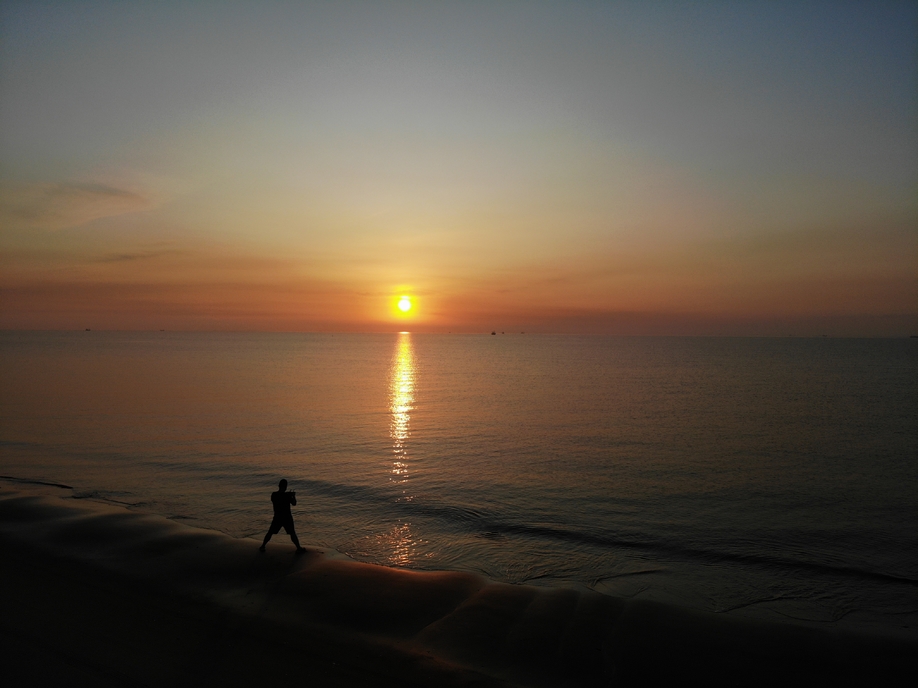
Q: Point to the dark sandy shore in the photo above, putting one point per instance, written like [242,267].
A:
[94,594]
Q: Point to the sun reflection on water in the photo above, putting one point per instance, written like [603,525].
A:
[400,540]
[401,404]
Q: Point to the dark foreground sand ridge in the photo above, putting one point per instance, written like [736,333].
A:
[98,595]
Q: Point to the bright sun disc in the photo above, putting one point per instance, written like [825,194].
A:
[404,304]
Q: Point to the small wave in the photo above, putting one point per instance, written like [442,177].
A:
[101,497]
[764,600]
[29,481]
[626,574]
[709,556]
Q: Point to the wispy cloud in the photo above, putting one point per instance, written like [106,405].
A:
[48,206]
[135,256]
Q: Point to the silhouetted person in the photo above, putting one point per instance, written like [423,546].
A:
[282,500]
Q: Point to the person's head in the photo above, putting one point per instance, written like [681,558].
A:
[282,485]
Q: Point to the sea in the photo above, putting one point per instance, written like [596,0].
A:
[770,478]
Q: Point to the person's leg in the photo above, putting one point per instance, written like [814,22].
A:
[296,541]
[273,528]
[267,537]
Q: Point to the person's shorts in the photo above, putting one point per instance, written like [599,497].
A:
[278,523]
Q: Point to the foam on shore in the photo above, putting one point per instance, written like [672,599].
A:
[420,628]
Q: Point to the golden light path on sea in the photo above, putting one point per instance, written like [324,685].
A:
[401,403]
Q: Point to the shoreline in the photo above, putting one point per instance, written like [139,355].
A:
[122,598]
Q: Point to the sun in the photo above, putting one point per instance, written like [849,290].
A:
[403,306]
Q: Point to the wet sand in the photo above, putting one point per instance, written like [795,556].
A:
[95,594]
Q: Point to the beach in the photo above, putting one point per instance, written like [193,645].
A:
[100,595]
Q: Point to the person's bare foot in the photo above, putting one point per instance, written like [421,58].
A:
[261,549]
[300,550]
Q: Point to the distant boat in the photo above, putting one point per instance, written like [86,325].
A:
[494,333]
[88,330]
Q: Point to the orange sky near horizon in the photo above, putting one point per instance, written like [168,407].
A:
[586,168]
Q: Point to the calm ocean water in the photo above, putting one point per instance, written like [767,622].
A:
[773,478]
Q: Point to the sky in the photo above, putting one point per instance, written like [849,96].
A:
[646,168]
